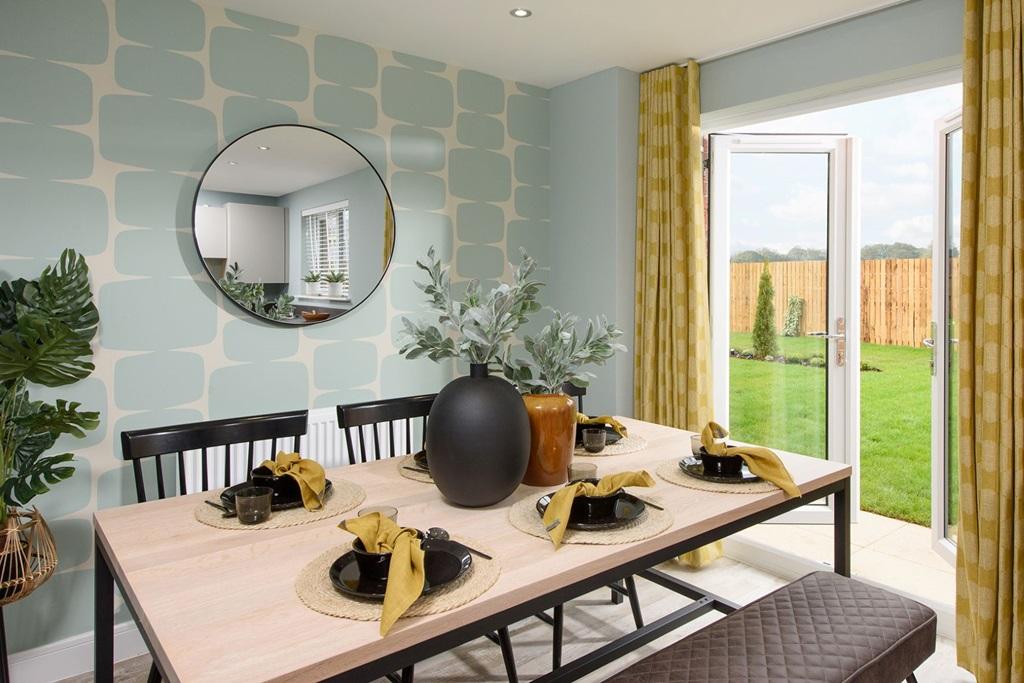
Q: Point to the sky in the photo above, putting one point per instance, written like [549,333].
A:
[779,201]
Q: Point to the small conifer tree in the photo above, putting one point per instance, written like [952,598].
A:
[764,317]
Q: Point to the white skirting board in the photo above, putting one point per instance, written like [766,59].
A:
[72,656]
[788,566]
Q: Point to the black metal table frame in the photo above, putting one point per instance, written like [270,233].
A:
[703,602]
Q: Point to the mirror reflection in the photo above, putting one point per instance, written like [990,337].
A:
[293,224]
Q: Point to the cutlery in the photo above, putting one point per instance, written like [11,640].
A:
[415,469]
[440,534]
[227,511]
[649,503]
[553,524]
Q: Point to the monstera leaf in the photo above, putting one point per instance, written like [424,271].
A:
[54,321]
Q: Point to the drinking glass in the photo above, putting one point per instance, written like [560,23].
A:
[252,504]
[594,439]
[582,470]
[384,510]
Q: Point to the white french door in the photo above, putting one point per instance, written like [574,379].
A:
[784,205]
[943,342]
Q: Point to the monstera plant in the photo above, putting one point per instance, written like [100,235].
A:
[46,329]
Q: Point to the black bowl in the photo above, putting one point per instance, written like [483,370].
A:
[373,566]
[286,489]
[721,465]
[593,507]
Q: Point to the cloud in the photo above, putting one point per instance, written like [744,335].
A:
[917,230]
[807,204]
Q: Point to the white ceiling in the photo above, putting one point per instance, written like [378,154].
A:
[297,157]
[564,39]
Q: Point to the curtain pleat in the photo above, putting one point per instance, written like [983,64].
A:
[990,548]
[672,366]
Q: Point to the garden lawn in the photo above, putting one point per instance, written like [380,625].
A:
[782,406]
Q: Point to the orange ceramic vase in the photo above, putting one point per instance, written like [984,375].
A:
[552,437]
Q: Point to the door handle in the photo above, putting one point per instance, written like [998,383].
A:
[929,343]
[839,337]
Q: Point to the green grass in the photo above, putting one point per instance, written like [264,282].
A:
[783,406]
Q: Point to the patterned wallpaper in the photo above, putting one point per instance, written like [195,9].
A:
[110,111]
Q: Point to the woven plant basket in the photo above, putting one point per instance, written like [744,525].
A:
[28,555]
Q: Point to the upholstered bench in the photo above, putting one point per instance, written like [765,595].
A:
[821,628]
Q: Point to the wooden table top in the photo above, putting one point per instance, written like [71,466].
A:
[221,605]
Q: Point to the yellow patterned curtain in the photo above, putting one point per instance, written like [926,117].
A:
[672,384]
[990,557]
[672,360]
[389,231]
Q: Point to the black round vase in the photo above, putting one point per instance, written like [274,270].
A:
[478,439]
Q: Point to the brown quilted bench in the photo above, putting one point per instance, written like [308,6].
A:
[823,628]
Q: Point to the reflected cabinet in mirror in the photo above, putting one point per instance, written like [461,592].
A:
[293,224]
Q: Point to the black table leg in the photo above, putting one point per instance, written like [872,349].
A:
[5,670]
[103,616]
[842,529]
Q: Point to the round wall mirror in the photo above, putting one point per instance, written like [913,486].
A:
[293,224]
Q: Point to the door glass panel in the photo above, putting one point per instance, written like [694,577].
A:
[954,177]
[778,297]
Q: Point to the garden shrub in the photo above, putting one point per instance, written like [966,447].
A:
[763,335]
[794,326]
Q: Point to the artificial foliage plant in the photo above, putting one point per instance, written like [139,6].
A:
[46,330]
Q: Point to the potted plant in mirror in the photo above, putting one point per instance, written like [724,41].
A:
[46,328]
[557,356]
[311,283]
[335,283]
[478,434]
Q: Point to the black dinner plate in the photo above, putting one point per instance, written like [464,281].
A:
[612,435]
[694,468]
[625,509]
[444,562]
[227,497]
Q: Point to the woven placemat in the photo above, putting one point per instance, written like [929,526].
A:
[524,516]
[415,475]
[628,444]
[345,496]
[314,588]
[670,472]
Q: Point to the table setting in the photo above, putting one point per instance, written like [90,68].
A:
[389,572]
[603,435]
[287,491]
[714,465]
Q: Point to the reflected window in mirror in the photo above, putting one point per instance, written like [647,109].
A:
[291,221]
[325,246]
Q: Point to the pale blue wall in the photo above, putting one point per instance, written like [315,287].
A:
[593,216]
[366,201]
[873,47]
[109,111]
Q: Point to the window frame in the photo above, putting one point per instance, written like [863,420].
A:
[345,259]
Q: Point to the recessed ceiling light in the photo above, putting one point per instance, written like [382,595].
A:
[263,148]
[520,12]
[232,163]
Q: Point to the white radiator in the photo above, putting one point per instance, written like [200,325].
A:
[323,442]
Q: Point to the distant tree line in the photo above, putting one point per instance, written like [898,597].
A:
[870,252]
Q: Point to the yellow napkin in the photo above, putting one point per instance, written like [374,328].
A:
[561,503]
[308,474]
[406,573]
[761,461]
[619,428]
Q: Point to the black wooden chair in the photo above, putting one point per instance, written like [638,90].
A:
[362,423]
[148,450]
[356,419]
[619,589]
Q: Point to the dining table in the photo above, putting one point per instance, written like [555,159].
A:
[221,605]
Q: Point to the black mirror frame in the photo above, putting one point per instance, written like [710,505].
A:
[216,282]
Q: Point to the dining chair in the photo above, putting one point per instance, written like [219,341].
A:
[362,424]
[147,450]
[403,413]
[570,389]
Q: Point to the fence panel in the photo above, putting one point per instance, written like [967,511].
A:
[895,297]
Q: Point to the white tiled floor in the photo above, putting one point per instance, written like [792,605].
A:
[889,551]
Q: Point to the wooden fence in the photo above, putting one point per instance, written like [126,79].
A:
[895,297]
